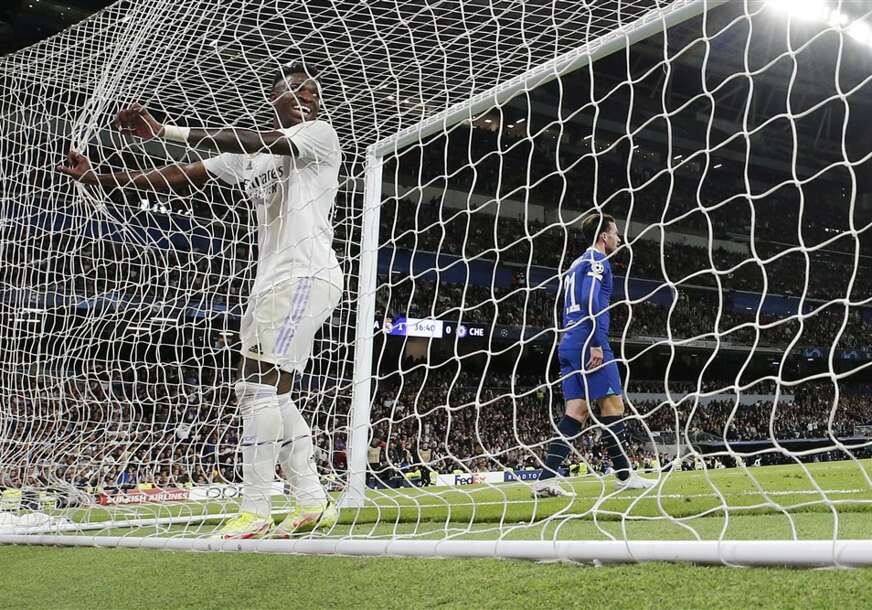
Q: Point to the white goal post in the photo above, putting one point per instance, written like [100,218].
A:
[798,553]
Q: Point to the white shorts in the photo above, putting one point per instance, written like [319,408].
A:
[279,326]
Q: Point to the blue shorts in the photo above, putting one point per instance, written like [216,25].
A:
[605,381]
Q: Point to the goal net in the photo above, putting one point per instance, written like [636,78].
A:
[728,141]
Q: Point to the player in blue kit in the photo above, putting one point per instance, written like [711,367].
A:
[587,365]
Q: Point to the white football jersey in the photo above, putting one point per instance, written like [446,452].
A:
[294,199]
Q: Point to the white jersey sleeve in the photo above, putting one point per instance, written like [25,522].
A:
[228,167]
[314,140]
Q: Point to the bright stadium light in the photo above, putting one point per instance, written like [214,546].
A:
[806,10]
[838,18]
[818,10]
[861,32]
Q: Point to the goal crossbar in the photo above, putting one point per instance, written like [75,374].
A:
[652,22]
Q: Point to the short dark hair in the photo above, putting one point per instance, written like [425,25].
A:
[295,67]
[593,224]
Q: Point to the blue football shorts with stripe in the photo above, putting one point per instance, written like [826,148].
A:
[604,381]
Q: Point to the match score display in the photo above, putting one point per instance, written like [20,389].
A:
[430,328]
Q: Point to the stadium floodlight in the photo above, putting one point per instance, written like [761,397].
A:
[454,242]
[809,10]
[820,11]
[861,32]
[838,18]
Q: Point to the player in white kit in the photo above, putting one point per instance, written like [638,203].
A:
[290,173]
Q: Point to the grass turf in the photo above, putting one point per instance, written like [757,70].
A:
[813,502]
[115,578]
[710,505]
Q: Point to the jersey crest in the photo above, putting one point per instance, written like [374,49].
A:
[596,270]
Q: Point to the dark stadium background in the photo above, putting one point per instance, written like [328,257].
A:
[25,22]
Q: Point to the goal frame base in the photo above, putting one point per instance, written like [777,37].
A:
[798,553]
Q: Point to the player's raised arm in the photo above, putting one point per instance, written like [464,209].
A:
[161,179]
[139,122]
[295,98]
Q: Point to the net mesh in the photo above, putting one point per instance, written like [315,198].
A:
[730,148]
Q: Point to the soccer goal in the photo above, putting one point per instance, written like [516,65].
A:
[727,140]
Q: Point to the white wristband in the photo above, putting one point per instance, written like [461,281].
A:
[174,133]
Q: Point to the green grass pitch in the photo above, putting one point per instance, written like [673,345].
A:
[820,501]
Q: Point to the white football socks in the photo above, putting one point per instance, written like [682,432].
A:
[297,456]
[261,435]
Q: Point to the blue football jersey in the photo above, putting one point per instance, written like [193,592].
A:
[587,288]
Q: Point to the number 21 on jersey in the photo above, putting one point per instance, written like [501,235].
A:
[569,298]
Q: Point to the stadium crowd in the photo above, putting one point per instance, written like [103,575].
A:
[507,424]
[511,240]
[178,426]
[695,314]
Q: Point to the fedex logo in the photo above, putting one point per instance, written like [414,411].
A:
[468,479]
